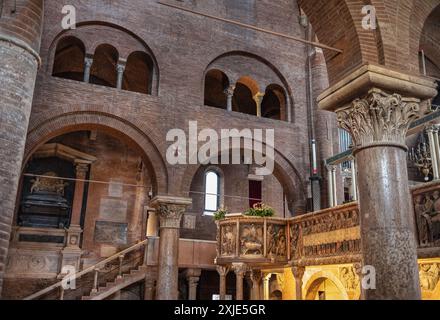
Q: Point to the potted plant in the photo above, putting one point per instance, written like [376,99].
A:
[220,214]
[260,210]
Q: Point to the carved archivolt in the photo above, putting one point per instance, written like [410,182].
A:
[379,117]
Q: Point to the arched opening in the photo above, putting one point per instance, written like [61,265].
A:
[212,192]
[216,82]
[103,71]
[93,180]
[243,100]
[138,74]
[325,289]
[69,59]
[274,103]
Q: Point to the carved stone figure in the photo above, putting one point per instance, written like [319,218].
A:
[251,240]
[427,210]
[228,240]
[429,276]
[349,278]
[48,185]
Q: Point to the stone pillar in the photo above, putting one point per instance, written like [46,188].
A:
[20,35]
[170,211]
[376,106]
[353,180]
[152,223]
[229,95]
[433,148]
[223,272]
[298,274]
[120,68]
[149,287]
[331,200]
[437,147]
[266,286]
[193,276]
[256,277]
[239,270]
[81,169]
[259,100]
[88,61]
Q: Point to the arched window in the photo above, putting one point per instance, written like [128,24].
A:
[212,190]
[274,103]
[138,74]
[69,59]
[243,100]
[103,71]
[215,84]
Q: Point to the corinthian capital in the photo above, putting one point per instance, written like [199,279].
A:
[379,117]
[170,210]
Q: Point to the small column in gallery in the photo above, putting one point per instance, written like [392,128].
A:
[222,272]
[88,62]
[239,269]
[120,69]
[193,277]
[229,95]
[298,274]
[258,98]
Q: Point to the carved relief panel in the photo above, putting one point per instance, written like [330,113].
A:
[252,239]
[427,211]
[276,240]
[228,239]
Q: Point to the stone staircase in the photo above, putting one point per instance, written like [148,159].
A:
[119,283]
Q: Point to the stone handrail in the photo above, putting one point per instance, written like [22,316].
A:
[94,268]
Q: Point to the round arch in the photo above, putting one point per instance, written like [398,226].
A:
[312,285]
[284,171]
[280,78]
[70,122]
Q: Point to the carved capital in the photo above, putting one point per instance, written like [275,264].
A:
[88,61]
[298,272]
[81,170]
[379,117]
[256,276]
[120,68]
[170,210]
[229,91]
[239,269]
[222,270]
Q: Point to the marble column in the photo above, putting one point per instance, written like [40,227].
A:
[223,272]
[298,274]
[331,200]
[256,277]
[120,68]
[266,286]
[229,95]
[376,106]
[240,270]
[353,180]
[170,211]
[258,98]
[88,61]
[193,277]
[433,148]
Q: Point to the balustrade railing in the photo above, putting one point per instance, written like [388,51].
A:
[104,266]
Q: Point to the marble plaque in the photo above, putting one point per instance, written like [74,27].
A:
[115,189]
[113,209]
[189,222]
[111,232]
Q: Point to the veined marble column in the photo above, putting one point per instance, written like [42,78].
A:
[240,270]
[266,286]
[170,211]
[298,274]
[223,272]
[193,277]
[229,95]
[376,106]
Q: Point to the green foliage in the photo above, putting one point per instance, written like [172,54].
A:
[260,210]
[220,214]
